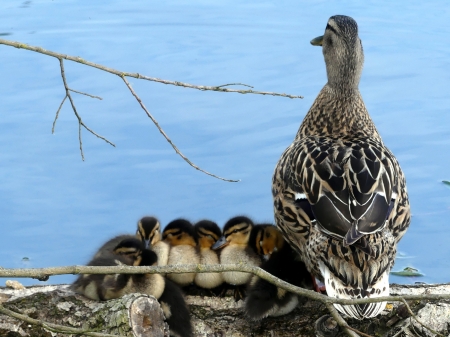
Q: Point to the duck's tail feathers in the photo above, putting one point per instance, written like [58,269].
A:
[335,288]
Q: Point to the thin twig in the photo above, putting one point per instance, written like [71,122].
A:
[339,320]
[167,138]
[57,113]
[52,327]
[401,330]
[203,268]
[80,121]
[83,93]
[136,75]
[226,85]
[418,321]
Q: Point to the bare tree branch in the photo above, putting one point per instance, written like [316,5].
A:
[62,57]
[340,321]
[136,75]
[203,268]
[80,121]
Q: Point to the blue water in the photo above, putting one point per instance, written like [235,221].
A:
[56,210]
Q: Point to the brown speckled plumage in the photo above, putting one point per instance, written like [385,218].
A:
[340,197]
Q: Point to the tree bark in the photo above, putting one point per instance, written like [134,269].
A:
[140,315]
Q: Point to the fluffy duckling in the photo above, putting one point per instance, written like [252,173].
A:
[149,231]
[236,249]
[208,233]
[265,299]
[168,294]
[129,251]
[263,241]
[180,235]
[107,248]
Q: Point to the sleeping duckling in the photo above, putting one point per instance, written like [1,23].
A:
[169,295]
[265,299]
[107,248]
[208,233]
[129,251]
[149,231]
[180,235]
[236,250]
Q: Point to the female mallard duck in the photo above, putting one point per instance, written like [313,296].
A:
[263,298]
[180,236]
[339,194]
[235,249]
[207,234]
[149,231]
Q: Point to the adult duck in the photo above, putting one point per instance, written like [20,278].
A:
[339,194]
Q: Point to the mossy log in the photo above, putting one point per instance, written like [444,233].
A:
[140,315]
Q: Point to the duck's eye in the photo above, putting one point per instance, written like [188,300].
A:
[235,231]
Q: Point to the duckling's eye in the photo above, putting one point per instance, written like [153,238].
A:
[235,231]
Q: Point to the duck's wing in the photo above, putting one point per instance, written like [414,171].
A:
[347,187]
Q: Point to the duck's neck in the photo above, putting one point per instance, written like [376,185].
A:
[338,112]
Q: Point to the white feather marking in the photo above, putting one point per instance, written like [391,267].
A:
[335,288]
[299,196]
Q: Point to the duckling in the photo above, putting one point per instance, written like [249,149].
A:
[265,299]
[129,251]
[208,233]
[180,235]
[107,248]
[339,193]
[149,231]
[236,249]
[168,294]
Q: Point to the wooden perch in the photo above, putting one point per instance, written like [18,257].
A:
[140,315]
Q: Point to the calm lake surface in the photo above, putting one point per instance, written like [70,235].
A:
[56,210]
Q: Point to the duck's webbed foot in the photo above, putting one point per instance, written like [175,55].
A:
[239,292]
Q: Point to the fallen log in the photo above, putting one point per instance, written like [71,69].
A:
[140,315]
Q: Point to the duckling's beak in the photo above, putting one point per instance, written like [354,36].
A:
[317,41]
[146,243]
[222,242]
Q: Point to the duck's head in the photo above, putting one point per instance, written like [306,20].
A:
[134,250]
[149,230]
[343,52]
[207,233]
[235,232]
[268,239]
[180,232]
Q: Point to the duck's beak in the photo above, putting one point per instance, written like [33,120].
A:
[222,242]
[317,41]
[146,243]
